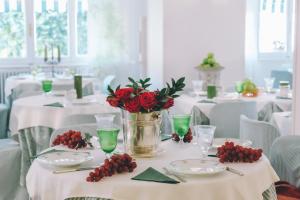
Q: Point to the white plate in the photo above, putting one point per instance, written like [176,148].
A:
[64,159]
[197,166]
[218,142]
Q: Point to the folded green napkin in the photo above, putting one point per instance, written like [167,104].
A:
[48,151]
[280,97]
[151,174]
[206,101]
[56,104]
[165,137]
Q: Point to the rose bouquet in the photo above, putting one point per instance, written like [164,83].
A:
[135,97]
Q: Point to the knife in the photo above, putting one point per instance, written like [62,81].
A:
[72,170]
[234,171]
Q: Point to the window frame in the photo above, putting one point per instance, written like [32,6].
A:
[278,56]
[30,57]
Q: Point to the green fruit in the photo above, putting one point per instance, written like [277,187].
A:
[210,55]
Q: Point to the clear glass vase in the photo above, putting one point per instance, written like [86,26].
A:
[141,133]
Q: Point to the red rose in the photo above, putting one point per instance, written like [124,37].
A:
[113,101]
[133,105]
[148,100]
[169,103]
[124,93]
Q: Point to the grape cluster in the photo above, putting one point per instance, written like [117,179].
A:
[236,153]
[116,164]
[187,138]
[72,139]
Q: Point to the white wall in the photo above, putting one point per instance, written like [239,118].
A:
[192,28]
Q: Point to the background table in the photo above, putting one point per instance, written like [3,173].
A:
[185,103]
[42,184]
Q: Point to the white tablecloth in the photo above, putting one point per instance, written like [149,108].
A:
[283,121]
[14,81]
[31,112]
[42,184]
[185,103]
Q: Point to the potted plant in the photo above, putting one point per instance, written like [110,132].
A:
[141,111]
[210,71]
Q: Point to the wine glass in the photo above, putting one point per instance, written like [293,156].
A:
[181,125]
[197,87]
[239,87]
[269,82]
[107,132]
[47,86]
[204,136]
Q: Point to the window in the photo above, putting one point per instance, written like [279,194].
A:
[275,28]
[12,29]
[28,27]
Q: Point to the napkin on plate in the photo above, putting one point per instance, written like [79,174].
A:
[207,101]
[281,97]
[48,151]
[56,104]
[165,137]
[151,174]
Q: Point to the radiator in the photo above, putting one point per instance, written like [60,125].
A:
[4,74]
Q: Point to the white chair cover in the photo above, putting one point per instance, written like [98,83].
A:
[226,117]
[262,134]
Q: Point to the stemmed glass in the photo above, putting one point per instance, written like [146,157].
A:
[204,136]
[47,86]
[197,87]
[269,82]
[107,132]
[181,125]
[239,87]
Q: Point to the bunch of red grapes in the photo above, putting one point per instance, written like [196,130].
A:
[72,139]
[187,138]
[236,153]
[116,164]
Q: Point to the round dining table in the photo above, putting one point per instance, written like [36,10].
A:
[255,184]
[35,111]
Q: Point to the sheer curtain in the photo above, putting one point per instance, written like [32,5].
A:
[114,37]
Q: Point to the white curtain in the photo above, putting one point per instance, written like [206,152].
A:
[114,37]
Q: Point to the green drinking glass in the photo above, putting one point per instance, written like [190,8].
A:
[211,91]
[47,86]
[108,139]
[239,87]
[181,125]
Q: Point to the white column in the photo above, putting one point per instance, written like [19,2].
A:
[296,75]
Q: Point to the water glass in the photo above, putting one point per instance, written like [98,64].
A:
[204,136]
[197,86]
[107,132]
[181,125]
[211,91]
[47,86]
[269,82]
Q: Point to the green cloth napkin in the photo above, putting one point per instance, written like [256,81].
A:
[207,101]
[48,151]
[151,174]
[165,137]
[279,97]
[56,104]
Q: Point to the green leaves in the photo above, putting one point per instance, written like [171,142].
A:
[144,84]
[177,86]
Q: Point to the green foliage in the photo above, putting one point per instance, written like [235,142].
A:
[12,34]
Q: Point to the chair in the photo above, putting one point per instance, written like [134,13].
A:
[226,117]
[281,76]
[266,113]
[83,128]
[10,158]
[4,110]
[262,134]
[285,158]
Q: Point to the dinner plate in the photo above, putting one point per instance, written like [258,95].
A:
[218,142]
[64,158]
[205,166]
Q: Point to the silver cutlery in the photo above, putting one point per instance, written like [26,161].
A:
[60,171]
[234,171]
[173,174]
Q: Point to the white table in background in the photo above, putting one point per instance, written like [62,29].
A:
[42,184]
[14,81]
[283,121]
[30,111]
[185,103]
